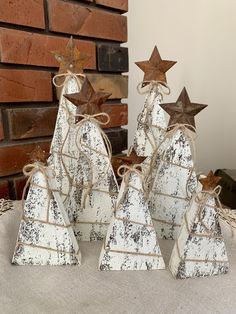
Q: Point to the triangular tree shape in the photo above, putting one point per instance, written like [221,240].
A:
[63,159]
[97,187]
[45,236]
[173,185]
[151,123]
[131,241]
[200,249]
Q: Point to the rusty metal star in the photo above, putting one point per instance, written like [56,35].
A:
[71,58]
[183,111]
[87,100]
[131,159]
[38,154]
[155,68]
[210,182]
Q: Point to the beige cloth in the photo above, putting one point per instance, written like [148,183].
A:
[85,289]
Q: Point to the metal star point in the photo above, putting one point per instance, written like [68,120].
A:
[183,111]
[38,154]
[87,100]
[71,59]
[155,68]
[210,182]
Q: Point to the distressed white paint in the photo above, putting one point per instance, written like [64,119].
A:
[45,236]
[93,208]
[198,247]
[173,185]
[151,125]
[64,139]
[131,230]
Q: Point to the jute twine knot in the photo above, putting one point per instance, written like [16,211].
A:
[201,199]
[29,171]
[66,77]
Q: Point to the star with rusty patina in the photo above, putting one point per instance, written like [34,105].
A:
[38,154]
[183,111]
[71,59]
[131,159]
[210,182]
[87,100]
[155,68]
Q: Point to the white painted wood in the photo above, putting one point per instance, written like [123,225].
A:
[131,230]
[173,185]
[151,125]
[94,212]
[45,236]
[64,139]
[197,246]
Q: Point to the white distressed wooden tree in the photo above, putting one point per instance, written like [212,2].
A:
[63,159]
[151,123]
[97,187]
[200,249]
[131,241]
[173,185]
[45,236]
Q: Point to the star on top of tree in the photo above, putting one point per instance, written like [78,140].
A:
[183,111]
[87,100]
[210,182]
[131,159]
[70,58]
[155,68]
[38,154]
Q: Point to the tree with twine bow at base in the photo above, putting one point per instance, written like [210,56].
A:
[95,184]
[175,180]
[200,249]
[45,235]
[151,121]
[131,242]
[68,80]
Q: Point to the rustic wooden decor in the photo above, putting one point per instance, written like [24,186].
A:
[183,111]
[155,68]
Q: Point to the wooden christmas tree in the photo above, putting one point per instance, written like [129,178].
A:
[63,149]
[131,242]
[200,249]
[175,179]
[151,121]
[45,235]
[96,187]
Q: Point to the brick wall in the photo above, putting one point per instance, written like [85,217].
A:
[29,30]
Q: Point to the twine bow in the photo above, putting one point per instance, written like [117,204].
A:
[66,77]
[223,213]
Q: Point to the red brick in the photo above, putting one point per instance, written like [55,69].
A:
[23,12]
[121,5]
[36,122]
[117,85]
[31,122]
[13,158]
[1,127]
[19,184]
[20,47]
[73,18]
[4,189]
[25,85]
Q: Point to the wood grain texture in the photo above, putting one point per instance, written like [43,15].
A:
[38,122]
[121,5]
[112,58]
[117,85]
[13,158]
[23,12]
[19,47]
[1,127]
[72,18]
[25,85]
